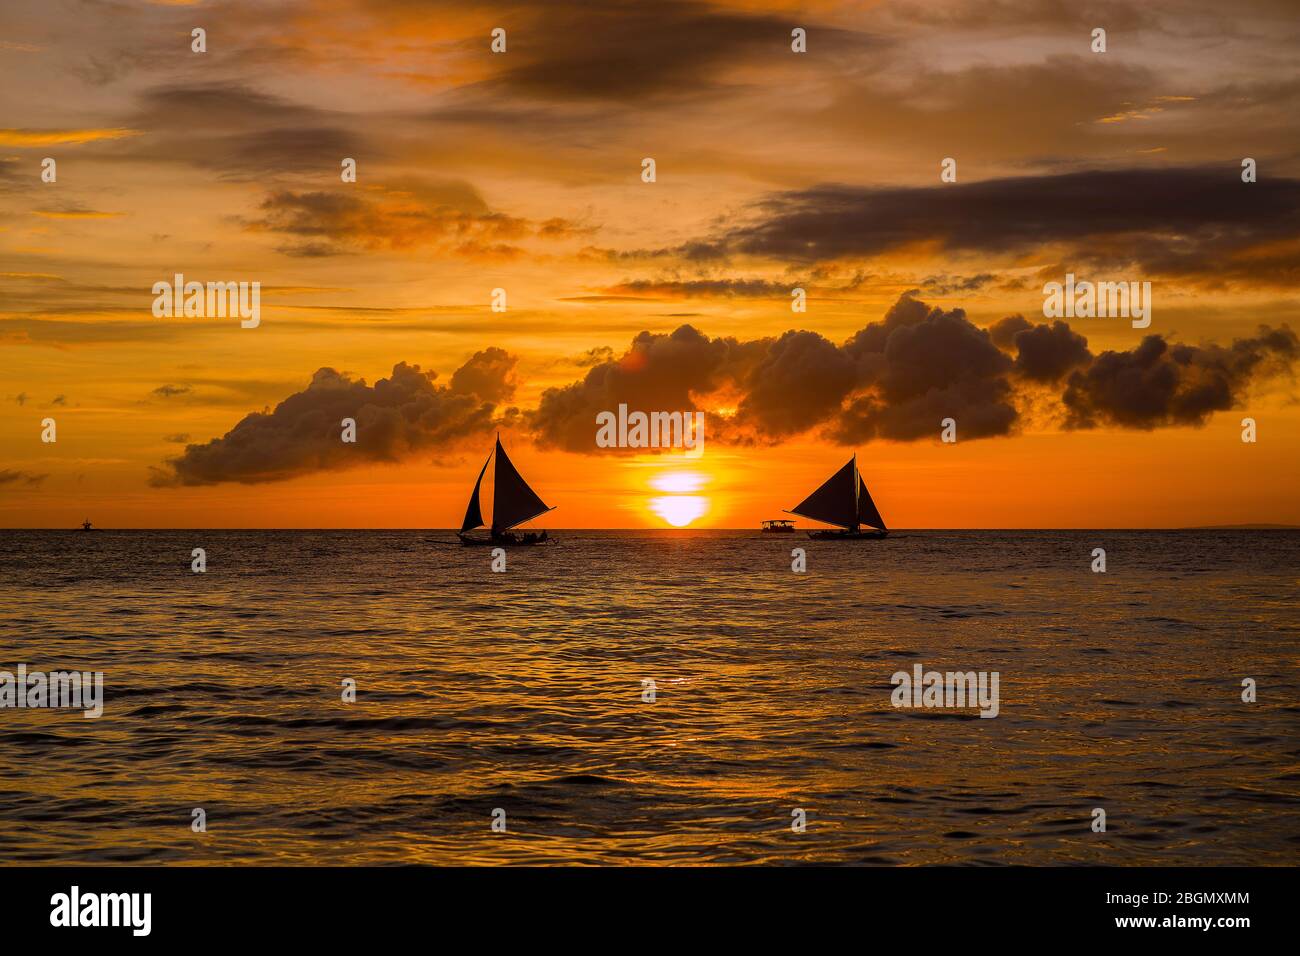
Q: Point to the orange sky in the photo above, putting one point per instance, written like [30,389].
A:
[522,171]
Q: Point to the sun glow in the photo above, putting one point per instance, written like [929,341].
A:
[679,510]
[679,482]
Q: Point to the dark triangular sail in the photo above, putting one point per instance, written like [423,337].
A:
[836,501]
[474,513]
[868,513]
[513,502]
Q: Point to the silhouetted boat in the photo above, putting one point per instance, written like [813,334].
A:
[513,503]
[843,500]
[778,526]
[86,526]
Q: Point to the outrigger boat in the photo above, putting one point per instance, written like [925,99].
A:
[513,503]
[778,526]
[843,500]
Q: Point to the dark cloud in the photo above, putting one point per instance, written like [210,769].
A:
[657,373]
[283,149]
[894,379]
[700,288]
[171,391]
[1044,353]
[919,366]
[397,215]
[10,173]
[1036,14]
[948,285]
[697,252]
[636,50]
[489,374]
[1183,221]
[595,356]
[217,107]
[1158,384]
[1003,332]
[407,412]
[30,479]
[801,380]
[897,379]
[559,228]
[242,133]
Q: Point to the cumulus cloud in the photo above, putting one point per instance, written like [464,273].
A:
[801,380]
[489,374]
[1044,353]
[660,372]
[921,365]
[1003,332]
[407,412]
[1158,384]
[895,379]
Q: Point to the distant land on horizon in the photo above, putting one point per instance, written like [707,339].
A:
[1242,527]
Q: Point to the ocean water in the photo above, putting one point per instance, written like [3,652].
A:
[522,691]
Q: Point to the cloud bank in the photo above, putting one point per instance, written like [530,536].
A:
[895,379]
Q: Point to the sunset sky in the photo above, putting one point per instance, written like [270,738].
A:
[774,170]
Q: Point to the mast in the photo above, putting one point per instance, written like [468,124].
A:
[867,511]
[857,483]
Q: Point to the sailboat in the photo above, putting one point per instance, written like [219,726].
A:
[843,500]
[513,503]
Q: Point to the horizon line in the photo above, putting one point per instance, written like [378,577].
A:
[1247,526]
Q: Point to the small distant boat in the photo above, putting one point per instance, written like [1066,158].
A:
[843,500]
[778,526]
[86,526]
[513,503]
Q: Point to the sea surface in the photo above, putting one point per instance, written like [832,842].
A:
[523,692]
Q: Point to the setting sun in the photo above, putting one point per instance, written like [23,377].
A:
[679,510]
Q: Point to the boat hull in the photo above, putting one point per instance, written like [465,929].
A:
[848,535]
[506,540]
